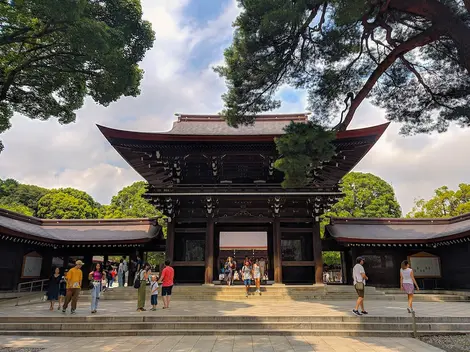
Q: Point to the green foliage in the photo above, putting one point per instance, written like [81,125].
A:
[445,203]
[332,258]
[53,53]
[17,208]
[302,148]
[66,203]
[365,196]
[22,197]
[129,203]
[412,63]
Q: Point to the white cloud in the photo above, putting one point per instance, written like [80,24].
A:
[77,155]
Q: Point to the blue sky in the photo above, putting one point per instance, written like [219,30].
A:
[190,38]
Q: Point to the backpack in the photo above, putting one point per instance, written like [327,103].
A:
[124,267]
[137,280]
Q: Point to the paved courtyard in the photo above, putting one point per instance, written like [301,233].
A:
[252,308]
[217,344]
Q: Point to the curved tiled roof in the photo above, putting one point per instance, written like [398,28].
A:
[78,231]
[398,230]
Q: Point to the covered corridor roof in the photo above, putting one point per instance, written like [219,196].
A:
[359,230]
[20,227]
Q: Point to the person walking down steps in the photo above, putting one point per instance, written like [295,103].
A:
[74,283]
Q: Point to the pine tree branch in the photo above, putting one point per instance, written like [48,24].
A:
[421,39]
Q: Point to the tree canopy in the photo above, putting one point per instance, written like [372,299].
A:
[445,203]
[411,57]
[66,203]
[71,203]
[53,53]
[366,196]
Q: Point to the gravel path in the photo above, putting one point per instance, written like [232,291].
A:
[450,343]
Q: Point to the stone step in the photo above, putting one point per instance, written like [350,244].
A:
[91,319]
[217,332]
[234,326]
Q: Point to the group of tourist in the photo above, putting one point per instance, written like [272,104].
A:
[407,284]
[251,270]
[166,280]
[66,288]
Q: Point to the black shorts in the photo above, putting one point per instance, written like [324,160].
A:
[166,290]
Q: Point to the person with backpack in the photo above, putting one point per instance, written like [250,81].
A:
[140,283]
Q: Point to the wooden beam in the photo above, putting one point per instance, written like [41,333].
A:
[317,252]
[170,241]
[209,255]
[277,251]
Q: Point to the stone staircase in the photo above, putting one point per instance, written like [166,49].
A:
[132,325]
[275,292]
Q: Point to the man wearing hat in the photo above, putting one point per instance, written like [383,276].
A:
[74,283]
[360,277]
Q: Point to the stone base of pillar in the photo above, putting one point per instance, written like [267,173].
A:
[276,284]
[319,285]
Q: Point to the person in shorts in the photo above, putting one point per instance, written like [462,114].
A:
[408,283]
[154,293]
[166,279]
[360,277]
[247,275]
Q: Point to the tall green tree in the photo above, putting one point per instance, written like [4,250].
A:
[411,57]
[20,197]
[17,208]
[365,196]
[445,203]
[129,203]
[67,203]
[53,53]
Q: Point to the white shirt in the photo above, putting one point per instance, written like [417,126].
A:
[357,271]
[406,274]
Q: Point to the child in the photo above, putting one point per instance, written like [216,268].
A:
[154,293]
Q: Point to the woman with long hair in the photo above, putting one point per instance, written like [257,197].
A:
[53,288]
[143,276]
[408,283]
[95,276]
[228,271]
[257,276]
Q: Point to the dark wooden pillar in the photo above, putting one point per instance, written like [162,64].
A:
[105,260]
[277,251]
[86,269]
[209,252]
[170,241]
[347,266]
[317,252]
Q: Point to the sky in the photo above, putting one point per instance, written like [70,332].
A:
[190,38]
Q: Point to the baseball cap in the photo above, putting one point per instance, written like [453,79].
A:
[79,262]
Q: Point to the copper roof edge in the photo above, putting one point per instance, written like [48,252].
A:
[109,133]
[398,221]
[80,222]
